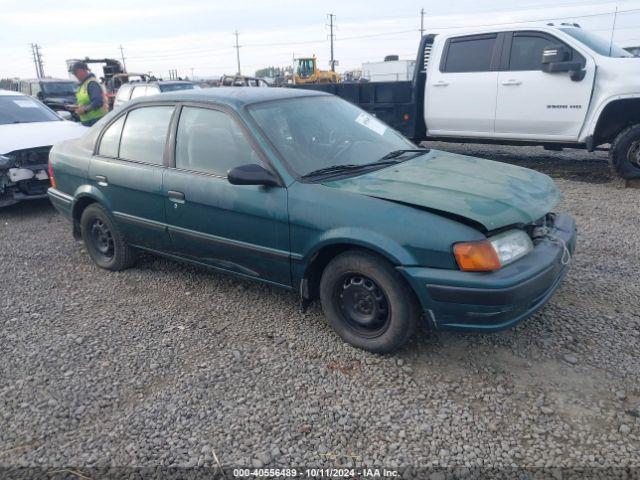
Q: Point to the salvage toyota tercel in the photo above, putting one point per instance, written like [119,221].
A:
[305,191]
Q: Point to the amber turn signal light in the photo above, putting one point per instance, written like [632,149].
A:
[476,256]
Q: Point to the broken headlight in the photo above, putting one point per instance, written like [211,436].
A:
[511,245]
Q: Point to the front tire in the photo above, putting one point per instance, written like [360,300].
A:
[104,241]
[624,154]
[367,302]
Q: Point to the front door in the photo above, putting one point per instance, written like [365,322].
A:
[128,172]
[238,228]
[461,91]
[535,103]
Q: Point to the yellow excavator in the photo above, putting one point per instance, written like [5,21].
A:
[307,72]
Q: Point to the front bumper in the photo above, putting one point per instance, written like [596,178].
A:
[473,301]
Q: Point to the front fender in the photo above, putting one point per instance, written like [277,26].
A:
[592,121]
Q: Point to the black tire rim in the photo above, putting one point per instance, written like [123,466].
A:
[634,154]
[102,239]
[363,305]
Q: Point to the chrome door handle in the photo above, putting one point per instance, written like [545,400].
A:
[512,82]
[177,197]
[102,180]
[440,84]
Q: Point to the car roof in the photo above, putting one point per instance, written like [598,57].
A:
[5,93]
[235,97]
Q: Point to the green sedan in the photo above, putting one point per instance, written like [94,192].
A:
[305,191]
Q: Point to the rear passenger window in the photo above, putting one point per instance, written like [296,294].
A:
[210,141]
[526,52]
[111,139]
[145,133]
[470,54]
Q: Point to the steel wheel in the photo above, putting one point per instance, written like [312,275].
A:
[363,305]
[102,239]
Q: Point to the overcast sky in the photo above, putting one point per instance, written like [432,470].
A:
[160,35]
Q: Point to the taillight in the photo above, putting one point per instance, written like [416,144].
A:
[51,177]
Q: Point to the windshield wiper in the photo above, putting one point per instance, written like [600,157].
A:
[388,159]
[398,153]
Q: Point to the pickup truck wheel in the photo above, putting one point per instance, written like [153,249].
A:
[103,240]
[367,302]
[624,154]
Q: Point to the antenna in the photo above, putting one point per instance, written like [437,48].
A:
[613,29]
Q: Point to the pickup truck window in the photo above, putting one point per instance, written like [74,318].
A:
[145,133]
[469,54]
[124,92]
[139,91]
[526,52]
[209,141]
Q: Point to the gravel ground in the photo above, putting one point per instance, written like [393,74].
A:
[168,364]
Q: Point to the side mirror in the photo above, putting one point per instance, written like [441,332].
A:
[65,114]
[251,174]
[555,59]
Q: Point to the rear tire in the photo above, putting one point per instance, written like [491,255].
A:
[103,240]
[624,153]
[367,302]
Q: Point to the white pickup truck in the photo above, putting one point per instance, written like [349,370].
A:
[555,86]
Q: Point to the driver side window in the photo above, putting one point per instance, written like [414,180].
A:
[210,141]
[526,51]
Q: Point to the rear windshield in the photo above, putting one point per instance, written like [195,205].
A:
[172,87]
[23,109]
[596,43]
[59,88]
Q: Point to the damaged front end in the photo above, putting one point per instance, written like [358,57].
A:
[23,175]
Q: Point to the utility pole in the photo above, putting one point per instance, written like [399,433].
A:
[331,37]
[237,47]
[37,59]
[191,74]
[421,22]
[124,65]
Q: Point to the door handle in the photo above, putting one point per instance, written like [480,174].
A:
[512,82]
[102,180]
[440,84]
[177,197]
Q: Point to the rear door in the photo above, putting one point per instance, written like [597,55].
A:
[535,103]
[461,92]
[128,168]
[239,228]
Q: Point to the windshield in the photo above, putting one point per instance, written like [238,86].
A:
[305,67]
[312,133]
[59,88]
[23,109]
[597,43]
[172,87]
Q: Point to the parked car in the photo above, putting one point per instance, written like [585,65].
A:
[132,90]
[27,130]
[305,191]
[241,81]
[555,86]
[55,93]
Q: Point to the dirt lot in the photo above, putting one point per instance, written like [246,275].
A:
[167,364]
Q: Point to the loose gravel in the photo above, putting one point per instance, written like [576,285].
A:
[167,364]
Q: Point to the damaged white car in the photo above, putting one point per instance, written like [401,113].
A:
[28,129]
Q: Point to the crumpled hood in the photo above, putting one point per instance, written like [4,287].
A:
[18,136]
[491,193]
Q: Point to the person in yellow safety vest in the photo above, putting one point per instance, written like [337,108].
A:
[91,97]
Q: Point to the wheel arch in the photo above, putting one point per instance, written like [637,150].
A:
[614,117]
[317,260]
[84,197]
